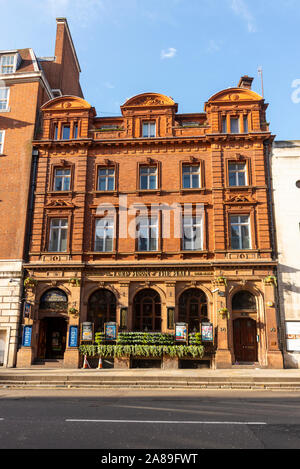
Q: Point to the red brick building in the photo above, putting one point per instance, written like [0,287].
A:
[117,262]
[26,83]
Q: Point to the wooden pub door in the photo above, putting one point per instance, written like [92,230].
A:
[245,340]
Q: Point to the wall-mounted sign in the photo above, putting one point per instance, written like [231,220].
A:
[123,317]
[73,336]
[27,310]
[207,332]
[110,330]
[171,317]
[181,332]
[292,336]
[87,329]
[27,334]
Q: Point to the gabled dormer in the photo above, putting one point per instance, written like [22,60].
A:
[149,115]
[9,62]
[237,110]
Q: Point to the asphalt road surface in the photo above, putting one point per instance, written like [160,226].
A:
[160,419]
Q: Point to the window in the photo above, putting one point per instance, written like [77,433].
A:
[240,232]
[191,176]
[58,235]
[147,311]
[234,125]
[62,179]
[104,234]
[7,64]
[106,179]
[65,133]
[55,132]
[148,177]
[149,129]
[1,141]
[75,130]
[148,234]
[4,92]
[237,174]
[192,234]
[245,120]
[224,125]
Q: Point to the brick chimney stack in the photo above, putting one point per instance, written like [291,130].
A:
[245,82]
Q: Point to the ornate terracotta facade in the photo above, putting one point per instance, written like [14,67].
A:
[152,156]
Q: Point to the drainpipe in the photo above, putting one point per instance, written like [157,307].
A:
[35,155]
[268,156]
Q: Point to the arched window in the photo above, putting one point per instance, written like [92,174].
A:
[243,301]
[54,299]
[102,308]
[193,308]
[147,311]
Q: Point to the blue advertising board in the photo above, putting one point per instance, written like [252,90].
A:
[27,334]
[73,336]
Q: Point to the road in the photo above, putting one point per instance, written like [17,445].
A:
[160,419]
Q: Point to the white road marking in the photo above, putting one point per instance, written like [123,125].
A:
[182,422]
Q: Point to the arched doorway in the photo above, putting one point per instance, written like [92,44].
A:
[53,311]
[102,308]
[147,311]
[244,328]
[193,308]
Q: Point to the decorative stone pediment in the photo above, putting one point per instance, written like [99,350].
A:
[67,103]
[59,203]
[235,95]
[240,199]
[149,100]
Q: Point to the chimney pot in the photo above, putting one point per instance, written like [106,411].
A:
[245,82]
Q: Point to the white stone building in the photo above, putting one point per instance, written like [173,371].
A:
[286,185]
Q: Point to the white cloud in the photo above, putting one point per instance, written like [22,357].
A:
[213,46]
[168,53]
[241,9]
[80,10]
[108,85]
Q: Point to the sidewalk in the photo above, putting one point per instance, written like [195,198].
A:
[251,379]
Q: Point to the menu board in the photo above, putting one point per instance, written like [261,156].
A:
[181,332]
[110,330]
[207,332]
[87,332]
[292,336]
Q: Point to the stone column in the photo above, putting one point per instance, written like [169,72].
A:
[71,355]
[223,357]
[274,354]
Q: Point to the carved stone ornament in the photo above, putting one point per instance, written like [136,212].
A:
[240,199]
[59,203]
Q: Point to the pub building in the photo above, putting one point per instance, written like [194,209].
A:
[106,191]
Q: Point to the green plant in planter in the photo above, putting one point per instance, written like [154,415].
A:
[30,282]
[222,280]
[270,279]
[73,311]
[75,282]
[224,312]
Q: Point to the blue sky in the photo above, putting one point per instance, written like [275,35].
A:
[187,49]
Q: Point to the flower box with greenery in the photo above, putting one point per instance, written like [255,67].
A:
[30,282]
[75,282]
[144,344]
[73,311]
[221,280]
[224,313]
[270,279]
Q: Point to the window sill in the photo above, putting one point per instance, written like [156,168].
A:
[197,189]
[114,193]
[148,191]
[70,193]
[5,110]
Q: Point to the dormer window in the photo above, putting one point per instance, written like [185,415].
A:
[149,129]
[9,63]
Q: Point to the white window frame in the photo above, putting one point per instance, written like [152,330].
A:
[60,227]
[240,224]
[63,178]
[104,226]
[16,60]
[147,125]
[194,170]
[147,174]
[192,223]
[237,172]
[5,100]
[106,177]
[148,224]
[2,135]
